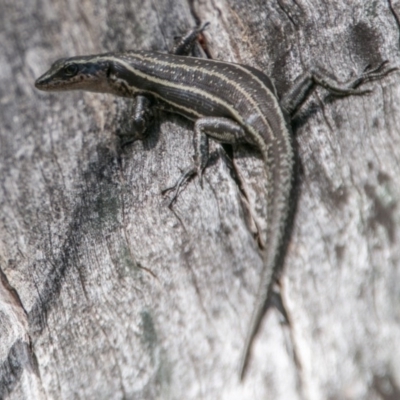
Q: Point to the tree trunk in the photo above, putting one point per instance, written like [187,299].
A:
[106,292]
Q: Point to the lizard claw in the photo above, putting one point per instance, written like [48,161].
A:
[186,175]
[371,74]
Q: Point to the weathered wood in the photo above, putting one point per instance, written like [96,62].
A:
[107,293]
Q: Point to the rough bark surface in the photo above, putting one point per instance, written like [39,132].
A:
[105,292]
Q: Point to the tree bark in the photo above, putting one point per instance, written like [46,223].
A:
[105,292]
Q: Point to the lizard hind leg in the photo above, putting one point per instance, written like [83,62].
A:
[223,130]
[201,156]
[308,81]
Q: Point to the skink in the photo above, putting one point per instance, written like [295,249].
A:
[228,102]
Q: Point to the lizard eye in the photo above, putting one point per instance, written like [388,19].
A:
[70,70]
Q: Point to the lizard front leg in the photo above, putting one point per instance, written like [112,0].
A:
[143,105]
[184,45]
[141,119]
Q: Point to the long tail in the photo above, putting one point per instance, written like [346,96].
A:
[279,185]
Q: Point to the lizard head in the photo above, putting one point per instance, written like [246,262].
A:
[76,73]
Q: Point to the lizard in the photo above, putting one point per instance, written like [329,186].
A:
[230,103]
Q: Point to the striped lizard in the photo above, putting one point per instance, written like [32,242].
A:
[229,103]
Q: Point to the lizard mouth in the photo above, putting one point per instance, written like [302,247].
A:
[40,83]
[45,83]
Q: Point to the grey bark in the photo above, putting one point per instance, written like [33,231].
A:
[105,292]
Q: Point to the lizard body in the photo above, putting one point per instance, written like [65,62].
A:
[228,102]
